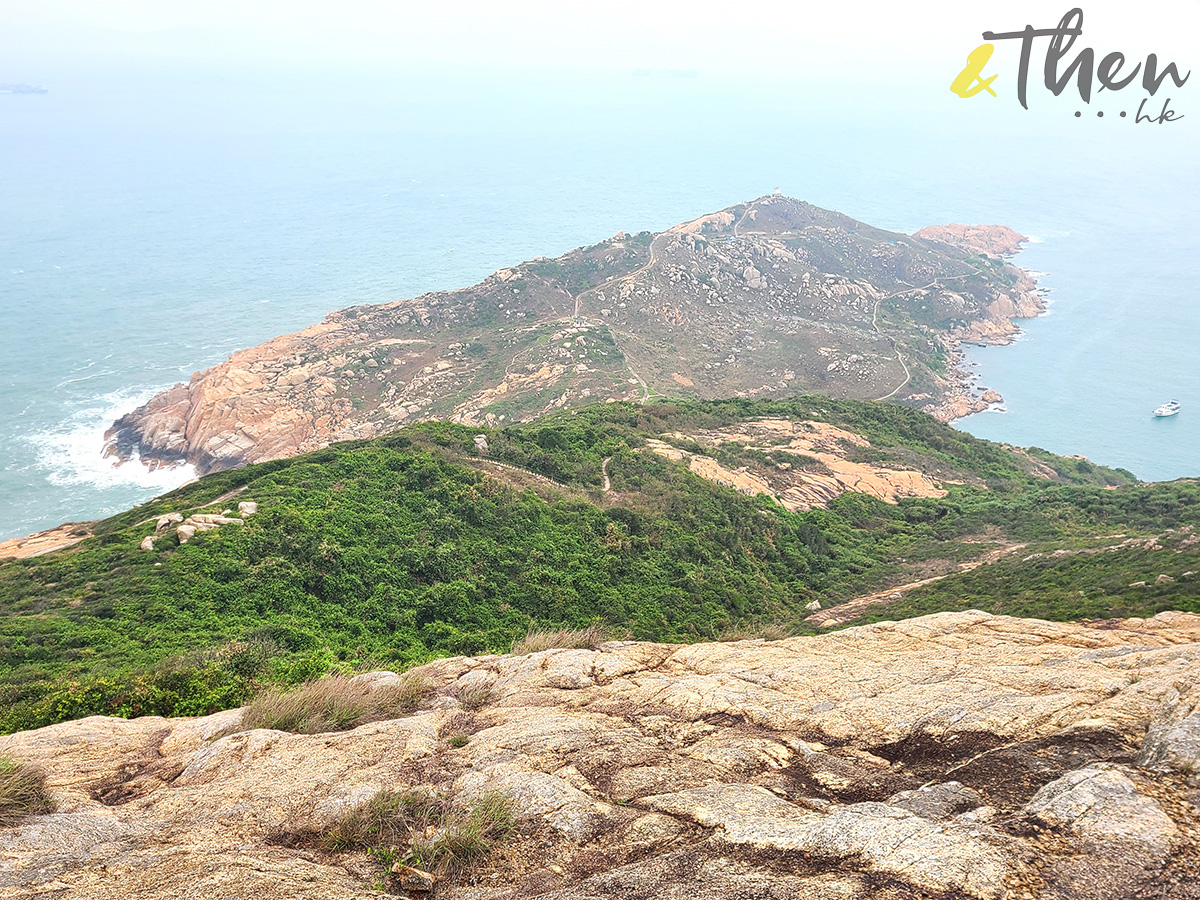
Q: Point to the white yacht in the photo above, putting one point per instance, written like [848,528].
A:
[1168,409]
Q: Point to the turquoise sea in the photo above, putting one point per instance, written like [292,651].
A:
[151,223]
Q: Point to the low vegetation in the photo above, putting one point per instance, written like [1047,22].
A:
[409,547]
[333,703]
[1100,580]
[23,792]
[587,638]
[426,831]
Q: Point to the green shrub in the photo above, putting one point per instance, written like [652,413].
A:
[400,550]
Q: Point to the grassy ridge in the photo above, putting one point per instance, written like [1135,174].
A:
[403,548]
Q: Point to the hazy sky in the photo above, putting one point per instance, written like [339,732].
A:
[841,39]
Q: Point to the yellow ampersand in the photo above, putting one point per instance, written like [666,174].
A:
[970,81]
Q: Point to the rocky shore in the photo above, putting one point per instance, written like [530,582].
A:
[953,756]
[996,327]
[51,539]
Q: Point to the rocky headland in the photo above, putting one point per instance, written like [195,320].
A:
[42,542]
[958,755]
[769,298]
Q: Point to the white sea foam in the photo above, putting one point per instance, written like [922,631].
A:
[73,453]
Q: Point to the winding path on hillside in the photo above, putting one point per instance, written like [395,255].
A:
[619,278]
[852,609]
[875,324]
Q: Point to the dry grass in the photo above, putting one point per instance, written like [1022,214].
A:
[467,836]
[333,703]
[424,830]
[764,632]
[388,819]
[563,639]
[474,698]
[23,792]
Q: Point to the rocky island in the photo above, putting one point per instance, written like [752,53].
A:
[769,298]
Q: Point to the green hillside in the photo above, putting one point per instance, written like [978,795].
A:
[414,545]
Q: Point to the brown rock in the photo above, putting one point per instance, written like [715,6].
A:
[994,240]
[45,541]
[412,882]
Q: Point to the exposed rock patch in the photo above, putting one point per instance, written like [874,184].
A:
[791,484]
[994,240]
[957,755]
[45,541]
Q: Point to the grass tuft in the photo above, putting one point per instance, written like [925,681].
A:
[424,830]
[766,632]
[333,703]
[562,639]
[384,821]
[23,792]
[474,698]
[468,836]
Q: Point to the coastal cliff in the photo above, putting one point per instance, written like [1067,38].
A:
[769,298]
[958,755]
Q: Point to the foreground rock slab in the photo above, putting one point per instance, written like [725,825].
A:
[953,756]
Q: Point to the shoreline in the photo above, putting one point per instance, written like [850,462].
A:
[42,542]
[965,395]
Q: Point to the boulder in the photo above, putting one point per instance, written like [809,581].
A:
[166,521]
[1174,746]
[1102,805]
[752,277]
[211,519]
[938,801]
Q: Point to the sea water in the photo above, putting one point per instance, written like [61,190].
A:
[152,223]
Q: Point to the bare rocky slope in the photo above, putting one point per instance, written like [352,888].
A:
[953,756]
[773,297]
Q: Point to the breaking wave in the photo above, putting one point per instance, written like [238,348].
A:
[72,454]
